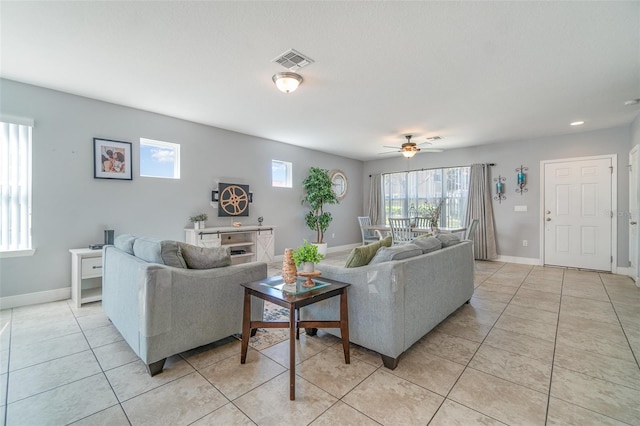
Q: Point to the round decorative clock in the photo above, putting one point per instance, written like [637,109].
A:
[339,182]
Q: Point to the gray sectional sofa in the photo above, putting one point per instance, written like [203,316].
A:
[162,308]
[392,304]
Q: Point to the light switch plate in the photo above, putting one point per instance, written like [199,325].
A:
[519,208]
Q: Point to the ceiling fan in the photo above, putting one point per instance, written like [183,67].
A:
[409,149]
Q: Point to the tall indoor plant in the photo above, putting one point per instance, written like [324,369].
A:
[318,193]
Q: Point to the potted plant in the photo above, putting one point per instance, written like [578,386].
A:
[199,220]
[318,192]
[307,255]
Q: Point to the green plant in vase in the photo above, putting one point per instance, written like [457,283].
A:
[318,190]
[307,256]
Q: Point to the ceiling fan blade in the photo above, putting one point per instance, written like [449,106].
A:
[392,147]
[388,152]
[424,143]
[431,150]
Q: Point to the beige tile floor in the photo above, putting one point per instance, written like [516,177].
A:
[535,346]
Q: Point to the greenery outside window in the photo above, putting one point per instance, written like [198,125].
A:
[404,190]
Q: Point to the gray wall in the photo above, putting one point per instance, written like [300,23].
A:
[513,227]
[71,208]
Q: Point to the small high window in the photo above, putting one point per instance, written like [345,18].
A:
[281,174]
[159,159]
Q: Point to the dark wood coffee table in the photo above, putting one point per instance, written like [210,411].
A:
[270,289]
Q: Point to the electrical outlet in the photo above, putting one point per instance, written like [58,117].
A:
[525,243]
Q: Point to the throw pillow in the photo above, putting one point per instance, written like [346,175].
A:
[361,256]
[156,251]
[399,252]
[124,242]
[205,257]
[448,240]
[428,244]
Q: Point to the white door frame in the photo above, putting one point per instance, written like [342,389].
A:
[614,203]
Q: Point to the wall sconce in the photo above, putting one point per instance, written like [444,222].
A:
[500,188]
[522,179]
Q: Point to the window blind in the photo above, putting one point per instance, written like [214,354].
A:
[15,185]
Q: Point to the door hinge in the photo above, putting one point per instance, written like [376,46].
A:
[611,169]
[611,259]
[611,214]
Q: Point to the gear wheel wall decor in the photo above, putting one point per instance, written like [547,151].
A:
[233,200]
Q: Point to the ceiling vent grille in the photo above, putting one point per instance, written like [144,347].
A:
[293,60]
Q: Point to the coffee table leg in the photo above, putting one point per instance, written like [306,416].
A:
[246,326]
[292,353]
[344,325]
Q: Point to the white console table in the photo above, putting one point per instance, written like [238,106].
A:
[247,243]
[85,264]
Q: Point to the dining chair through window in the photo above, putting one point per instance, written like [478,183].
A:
[400,230]
[422,222]
[368,235]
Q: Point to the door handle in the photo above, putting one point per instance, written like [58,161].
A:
[548,211]
[548,219]
[633,222]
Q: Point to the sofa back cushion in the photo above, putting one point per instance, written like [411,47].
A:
[205,257]
[448,240]
[156,251]
[124,242]
[428,244]
[361,256]
[399,252]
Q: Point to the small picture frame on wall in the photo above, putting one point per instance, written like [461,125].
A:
[111,159]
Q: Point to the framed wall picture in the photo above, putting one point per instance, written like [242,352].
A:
[111,159]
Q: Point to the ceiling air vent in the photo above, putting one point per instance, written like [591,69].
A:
[293,60]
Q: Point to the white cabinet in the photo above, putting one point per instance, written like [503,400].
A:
[86,275]
[247,243]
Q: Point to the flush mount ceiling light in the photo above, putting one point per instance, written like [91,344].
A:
[287,82]
[577,123]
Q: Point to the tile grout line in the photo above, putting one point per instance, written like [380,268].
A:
[555,343]
[101,370]
[446,397]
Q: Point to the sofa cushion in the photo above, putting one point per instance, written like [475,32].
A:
[156,251]
[361,256]
[448,240]
[428,244]
[124,242]
[399,252]
[205,257]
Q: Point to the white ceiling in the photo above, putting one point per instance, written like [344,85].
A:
[471,72]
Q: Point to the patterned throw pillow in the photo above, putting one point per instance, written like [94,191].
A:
[205,257]
[361,256]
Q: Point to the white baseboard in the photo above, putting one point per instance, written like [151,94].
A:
[35,298]
[520,260]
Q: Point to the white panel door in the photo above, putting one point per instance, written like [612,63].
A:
[634,163]
[577,214]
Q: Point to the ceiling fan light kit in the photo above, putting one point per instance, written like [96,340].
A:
[287,82]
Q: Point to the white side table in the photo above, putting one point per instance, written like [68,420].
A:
[85,263]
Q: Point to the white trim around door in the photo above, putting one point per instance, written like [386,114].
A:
[614,203]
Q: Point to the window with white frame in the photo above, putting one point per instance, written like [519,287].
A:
[159,159]
[419,189]
[15,184]
[281,174]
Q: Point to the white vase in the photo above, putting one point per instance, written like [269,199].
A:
[202,224]
[196,225]
[322,248]
[308,267]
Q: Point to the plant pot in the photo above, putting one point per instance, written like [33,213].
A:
[203,224]
[322,248]
[308,267]
[196,225]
